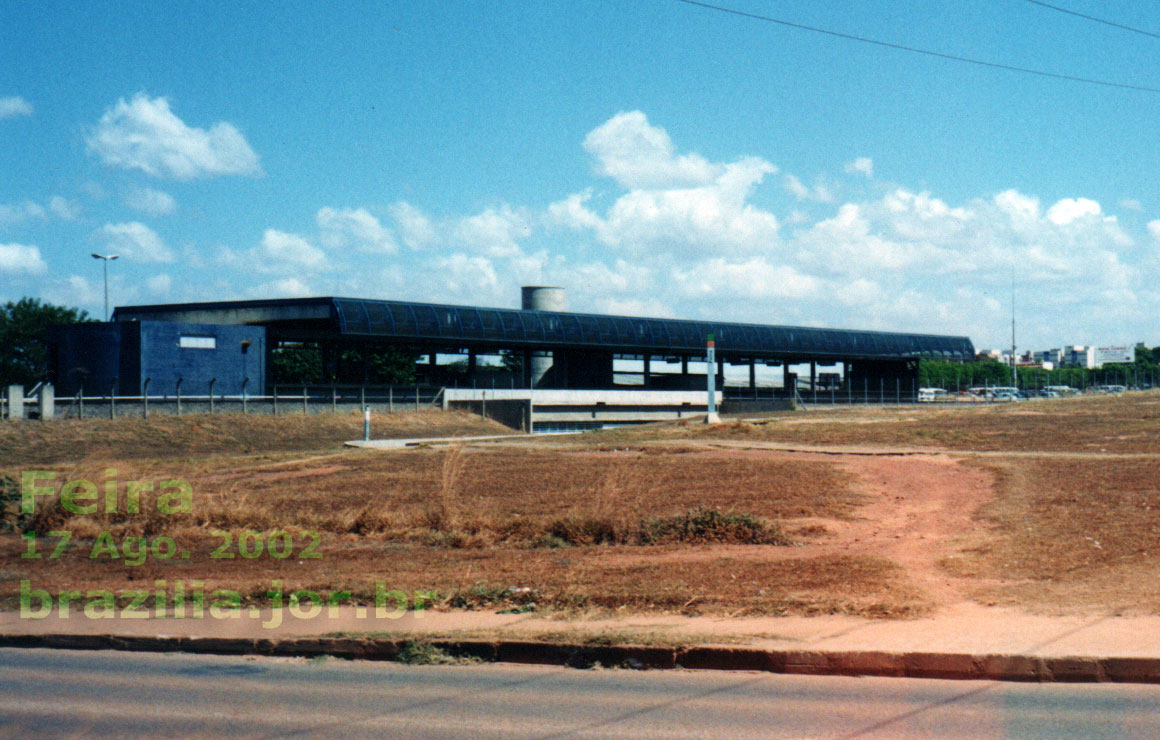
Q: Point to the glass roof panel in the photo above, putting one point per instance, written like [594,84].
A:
[660,335]
[570,326]
[352,317]
[629,334]
[513,326]
[533,327]
[492,327]
[404,318]
[589,329]
[426,321]
[608,332]
[470,322]
[378,318]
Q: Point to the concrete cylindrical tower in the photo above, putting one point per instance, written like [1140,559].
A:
[541,298]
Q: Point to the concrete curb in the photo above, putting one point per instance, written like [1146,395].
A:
[957,666]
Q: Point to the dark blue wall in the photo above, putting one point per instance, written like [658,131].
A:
[96,355]
[163,360]
[89,357]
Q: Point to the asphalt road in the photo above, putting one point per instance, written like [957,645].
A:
[48,693]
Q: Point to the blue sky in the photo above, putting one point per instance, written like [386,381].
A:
[653,157]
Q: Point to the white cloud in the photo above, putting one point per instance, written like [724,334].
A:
[861,166]
[16,213]
[495,232]
[12,214]
[858,292]
[1017,205]
[159,284]
[14,106]
[675,204]
[21,258]
[150,200]
[1071,209]
[796,188]
[651,307]
[284,288]
[79,291]
[852,243]
[638,155]
[884,262]
[754,278]
[1131,204]
[599,279]
[354,228]
[712,218]
[63,208]
[144,134]
[920,216]
[818,192]
[573,212]
[280,249]
[468,275]
[93,190]
[83,291]
[415,228]
[135,241]
[679,235]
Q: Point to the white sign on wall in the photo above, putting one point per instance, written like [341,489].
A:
[1109,355]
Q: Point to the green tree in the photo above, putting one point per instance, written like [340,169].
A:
[513,362]
[962,375]
[23,338]
[384,365]
[300,364]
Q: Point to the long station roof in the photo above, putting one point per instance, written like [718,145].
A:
[473,326]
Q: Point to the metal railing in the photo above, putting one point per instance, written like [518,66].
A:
[282,400]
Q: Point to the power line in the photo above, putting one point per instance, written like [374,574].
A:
[1097,20]
[927,52]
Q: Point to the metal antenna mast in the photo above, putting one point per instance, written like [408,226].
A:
[1014,374]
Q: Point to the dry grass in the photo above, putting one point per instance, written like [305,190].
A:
[457,497]
[589,581]
[562,529]
[1070,533]
[1127,423]
[613,521]
[30,443]
[647,637]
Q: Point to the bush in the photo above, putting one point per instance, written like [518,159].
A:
[11,518]
[418,652]
[709,525]
[584,531]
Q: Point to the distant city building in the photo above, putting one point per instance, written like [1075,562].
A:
[1053,357]
[1079,355]
[1072,355]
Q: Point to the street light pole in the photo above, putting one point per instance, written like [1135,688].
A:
[105,258]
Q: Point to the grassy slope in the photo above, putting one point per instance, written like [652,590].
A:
[70,440]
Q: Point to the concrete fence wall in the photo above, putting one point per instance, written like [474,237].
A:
[14,404]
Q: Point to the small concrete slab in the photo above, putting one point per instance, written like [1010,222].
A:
[398,444]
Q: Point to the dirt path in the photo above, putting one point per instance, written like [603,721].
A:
[919,508]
